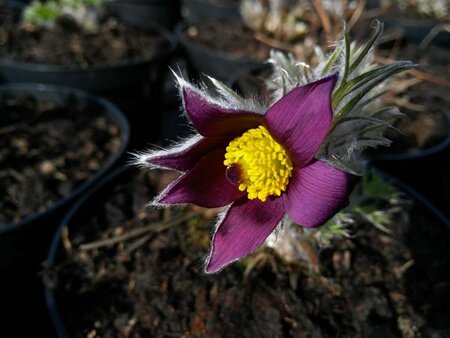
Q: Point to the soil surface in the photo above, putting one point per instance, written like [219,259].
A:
[68,44]
[234,39]
[374,284]
[46,151]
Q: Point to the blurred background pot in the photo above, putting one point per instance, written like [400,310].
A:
[417,30]
[412,25]
[147,13]
[220,58]
[130,72]
[426,170]
[210,10]
[23,243]
[88,107]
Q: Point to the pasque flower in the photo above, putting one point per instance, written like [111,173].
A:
[294,158]
[261,166]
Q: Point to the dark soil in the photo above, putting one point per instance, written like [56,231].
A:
[229,37]
[68,44]
[375,284]
[46,151]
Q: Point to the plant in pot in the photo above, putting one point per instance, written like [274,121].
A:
[118,268]
[79,44]
[56,143]
[421,21]
[293,26]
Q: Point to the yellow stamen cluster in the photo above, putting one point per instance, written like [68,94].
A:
[265,167]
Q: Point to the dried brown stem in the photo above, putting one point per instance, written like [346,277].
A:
[153,227]
[273,42]
[324,19]
[359,10]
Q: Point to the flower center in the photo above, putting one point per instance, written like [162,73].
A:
[258,164]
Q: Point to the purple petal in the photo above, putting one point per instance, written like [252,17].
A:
[301,119]
[205,185]
[244,228]
[187,156]
[316,192]
[213,120]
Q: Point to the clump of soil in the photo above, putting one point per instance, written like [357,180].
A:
[46,151]
[234,38]
[375,284]
[66,43]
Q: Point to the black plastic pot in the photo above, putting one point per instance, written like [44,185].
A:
[427,170]
[135,86]
[23,245]
[217,64]
[147,13]
[15,4]
[207,10]
[19,240]
[98,79]
[416,30]
[443,216]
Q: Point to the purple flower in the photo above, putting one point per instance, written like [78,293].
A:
[261,166]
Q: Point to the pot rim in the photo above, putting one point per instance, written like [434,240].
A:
[181,37]
[221,5]
[416,154]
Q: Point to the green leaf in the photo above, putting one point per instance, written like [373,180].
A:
[347,56]
[371,99]
[369,80]
[362,118]
[375,186]
[332,59]
[379,73]
[363,53]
